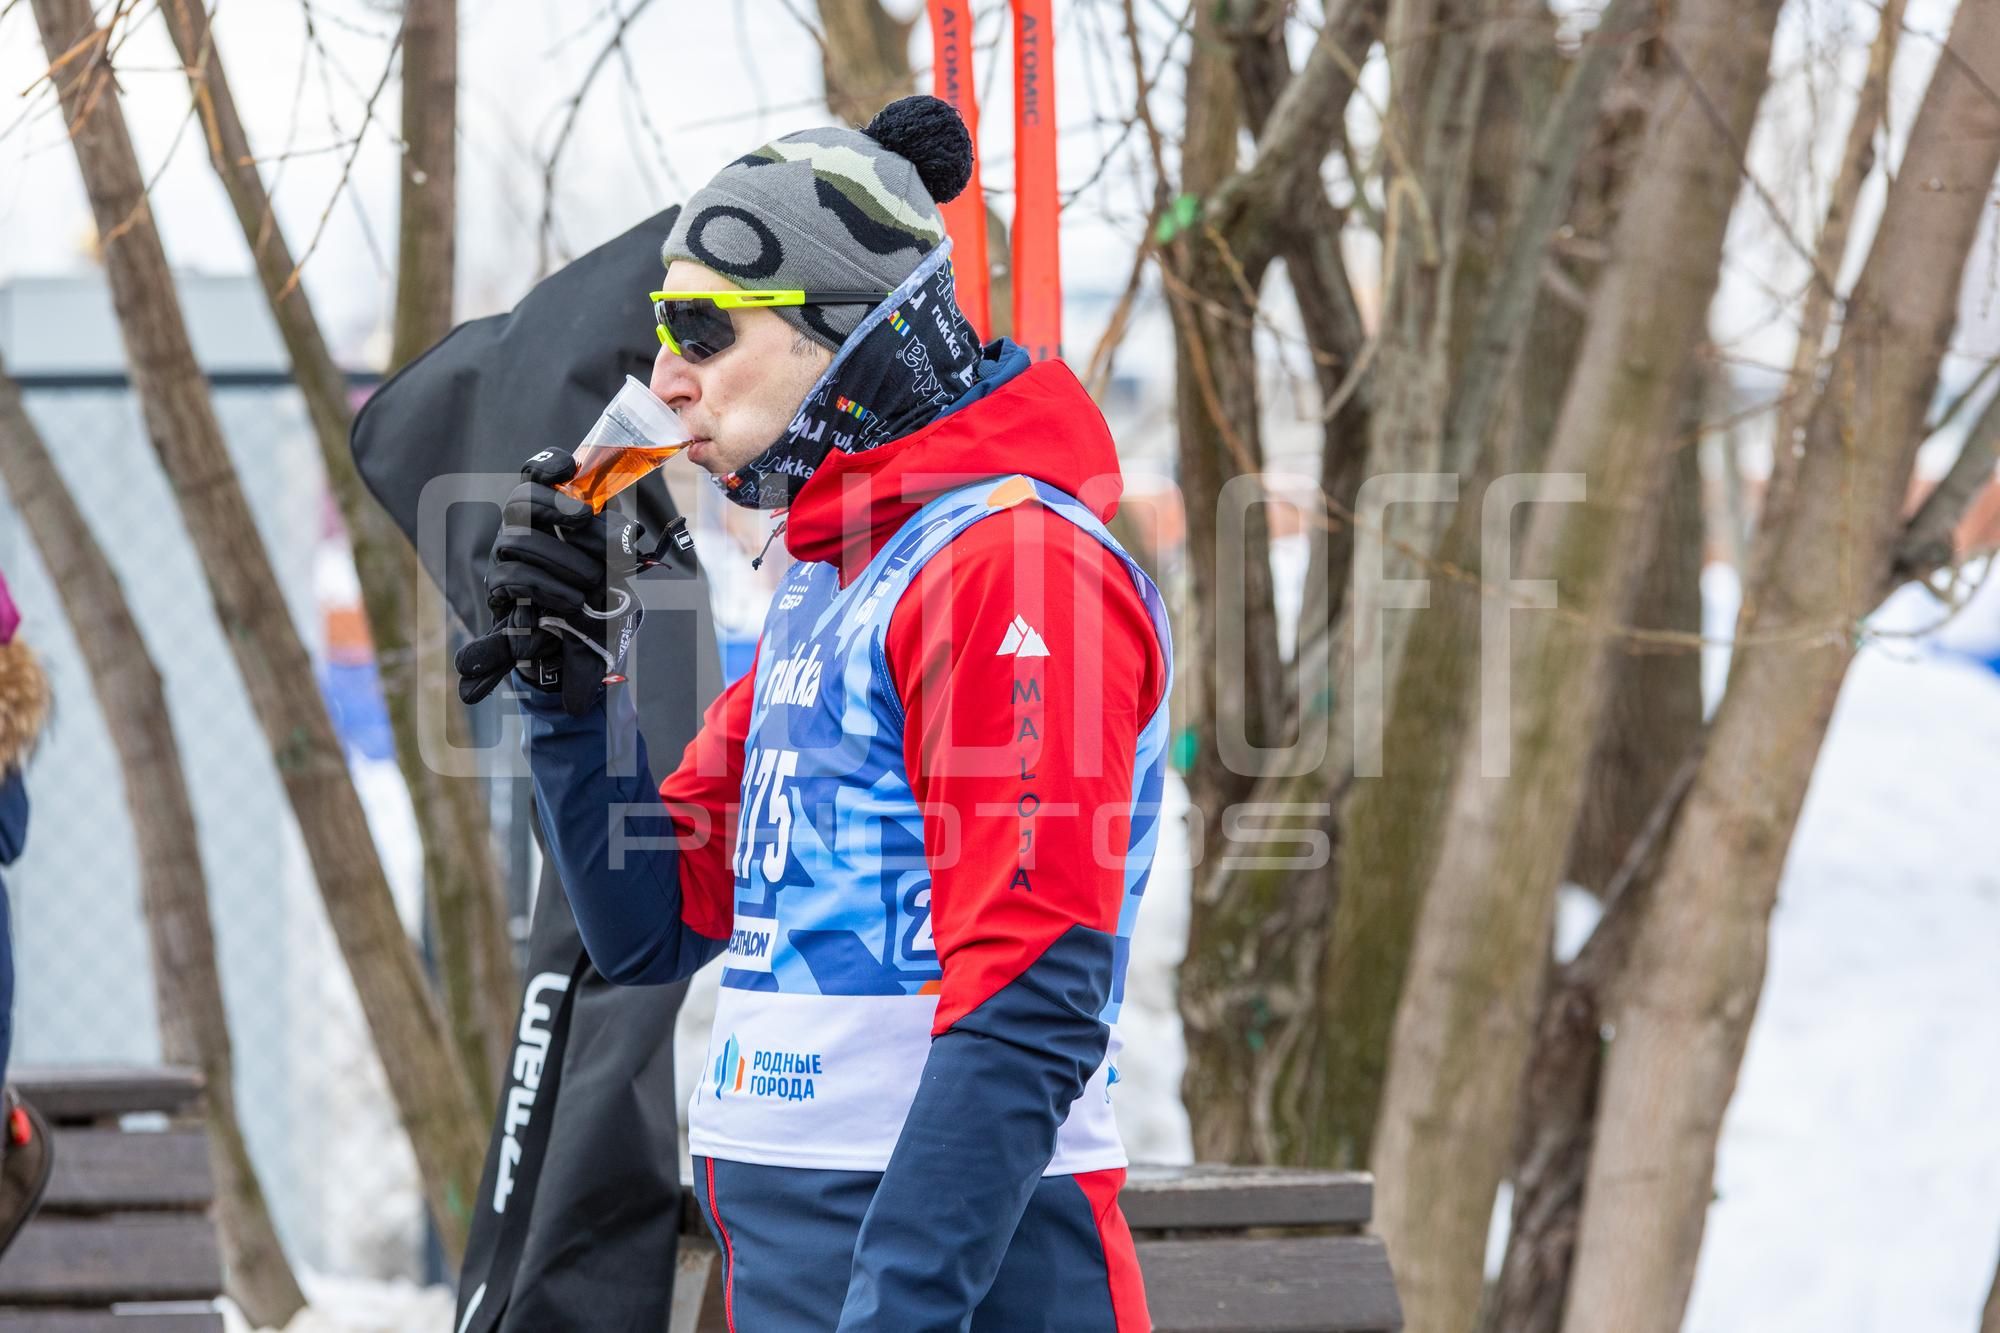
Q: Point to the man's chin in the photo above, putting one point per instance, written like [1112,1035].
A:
[721,459]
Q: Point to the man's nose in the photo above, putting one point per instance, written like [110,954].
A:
[674,382]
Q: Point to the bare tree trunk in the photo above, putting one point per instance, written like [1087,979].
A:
[1262,992]
[1550,168]
[1211,291]
[1438,69]
[1559,1094]
[427,232]
[1686,1004]
[1990,1322]
[1639,773]
[461,872]
[1395,819]
[1468,1004]
[1255,933]
[1653,712]
[1857,161]
[1264,930]
[1389,822]
[424,1073]
[193,1027]
[864,57]
[468,904]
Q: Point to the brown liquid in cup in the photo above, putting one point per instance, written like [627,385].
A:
[603,470]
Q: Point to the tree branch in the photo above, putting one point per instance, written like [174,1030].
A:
[1857,161]
[1305,122]
[1989,1322]
[1603,953]
[864,57]
[1926,544]
[546,227]
[346,167]
[1551,169]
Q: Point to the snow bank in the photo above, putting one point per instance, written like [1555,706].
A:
[355,1305]
[1858,1186]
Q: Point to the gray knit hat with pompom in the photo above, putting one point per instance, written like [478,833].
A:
[830,209]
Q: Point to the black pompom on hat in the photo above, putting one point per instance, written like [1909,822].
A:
[929,134]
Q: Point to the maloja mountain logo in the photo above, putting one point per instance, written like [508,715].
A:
[1021,641]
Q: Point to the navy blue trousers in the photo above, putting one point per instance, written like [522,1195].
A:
[787,1241]
[6,982]
[13,837]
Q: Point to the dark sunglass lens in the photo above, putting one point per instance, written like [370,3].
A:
[699,327]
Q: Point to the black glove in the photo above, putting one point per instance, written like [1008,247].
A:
[559,586]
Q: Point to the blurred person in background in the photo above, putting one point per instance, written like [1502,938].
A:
[25,1160]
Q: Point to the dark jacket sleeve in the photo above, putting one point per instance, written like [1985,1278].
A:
[13,816]
[615,843]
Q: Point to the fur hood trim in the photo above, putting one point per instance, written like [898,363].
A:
[24,704]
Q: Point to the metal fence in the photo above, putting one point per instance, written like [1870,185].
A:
[310,1092]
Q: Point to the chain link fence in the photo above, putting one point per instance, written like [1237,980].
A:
[314,1108]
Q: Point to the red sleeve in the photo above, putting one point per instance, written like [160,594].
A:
[702,797]
[1027,665]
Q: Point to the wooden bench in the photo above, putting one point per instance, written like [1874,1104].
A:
[124,1242]
[1224,1250]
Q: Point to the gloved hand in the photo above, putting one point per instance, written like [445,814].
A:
[559,585]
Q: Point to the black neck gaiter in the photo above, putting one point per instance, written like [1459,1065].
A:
[903,365]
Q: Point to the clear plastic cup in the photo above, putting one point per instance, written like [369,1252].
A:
[634,434]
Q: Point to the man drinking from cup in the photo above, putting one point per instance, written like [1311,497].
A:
[916,832]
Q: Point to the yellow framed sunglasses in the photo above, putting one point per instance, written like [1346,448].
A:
[696,325]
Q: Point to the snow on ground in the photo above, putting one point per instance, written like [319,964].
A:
[1858,1186]
[358,1305]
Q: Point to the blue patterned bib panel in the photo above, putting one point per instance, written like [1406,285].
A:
[829,984]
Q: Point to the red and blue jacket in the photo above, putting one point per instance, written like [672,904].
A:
[917,833]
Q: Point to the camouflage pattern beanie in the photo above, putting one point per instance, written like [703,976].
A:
[829,209]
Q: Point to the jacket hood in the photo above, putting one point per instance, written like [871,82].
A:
[24,704]
[1036,421]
